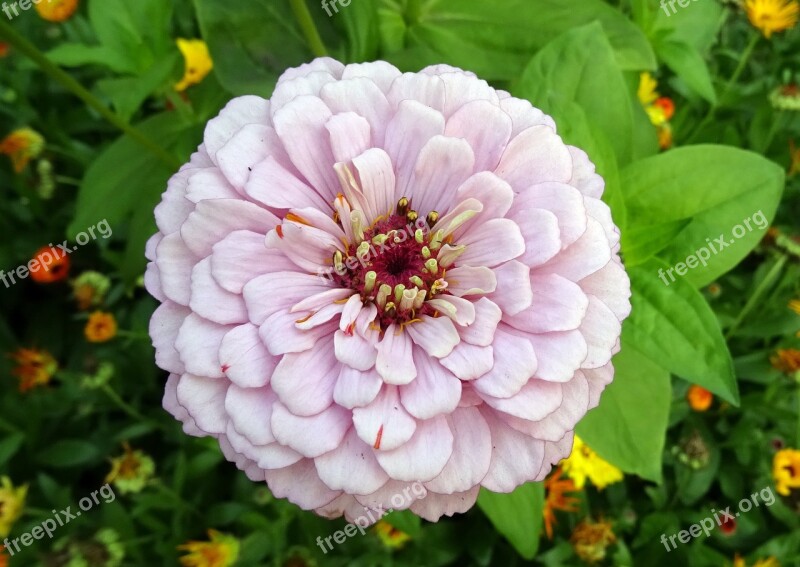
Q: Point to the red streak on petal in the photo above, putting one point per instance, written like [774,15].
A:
[225,368]
[349,330]
[377,444]
[279,230]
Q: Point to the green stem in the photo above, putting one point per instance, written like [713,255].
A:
[27,48]
[309,28]
[748,52]
[763,287]
[124,406]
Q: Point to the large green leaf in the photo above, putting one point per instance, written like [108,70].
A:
[674,326]
[689,65]
[629,425]
[719,189]
[496,39]
[251,42]
[696,24]
[516,515]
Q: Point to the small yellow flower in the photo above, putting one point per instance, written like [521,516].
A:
[22,146]
[131,471]
[34,368]
[12,502]
[101,327]
[786,470]
[770,16]
[198,62]
[794,305]
[56,10]
[590,539]
[221,551]
[647,92]
[584,463]
[786,360]
[390,536]
[738,561]
[699,398]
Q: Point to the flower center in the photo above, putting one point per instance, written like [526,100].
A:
[397,263]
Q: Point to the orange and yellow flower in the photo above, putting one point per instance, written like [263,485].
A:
[51,265]
[591,539]
[660,109]
[101,327]
[786,360]
[21,146]
[131,471]
[390,536]
[699,398]
[583,463]
[57,10]
[89,289]
[12,502]
[34,368]
[3,556]
[786,470]
[738,561]
[198,62]
[770,16]
[221,551]
[556,498]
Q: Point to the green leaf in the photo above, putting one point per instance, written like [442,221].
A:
[696,24]
[496,39]
[674,326]
[77,55]
[251,42]
[575,67]
[360,21]
[128,93]
[69,453]
[689,65]
[644,242]
[516,515]
[405,521]
[728,195]
[9,446]
[628,427]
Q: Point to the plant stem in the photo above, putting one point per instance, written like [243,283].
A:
[124,406]
[763,287]
[309,28]
[27,48]
[748,52]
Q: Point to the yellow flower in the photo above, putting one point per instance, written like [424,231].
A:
[101,327]
[786,470]
[699,398]
[131,471]
[34,368]
[647,89]
[56,10]
[22,146]
[557,499]
[794,305]
[390,536]
[221,551]
[771,16]
[198,62]
[665,136]
[738,561]
[786,360]
[590,540]
[584,463]
[12,501]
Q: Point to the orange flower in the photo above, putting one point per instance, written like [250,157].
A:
[699,398]
[34,367]
[101,327]
[665,103]
[390,536]
[57,10]
[556,499]
[3,556]
[4,49]
[22,146]
[786,360]
[49,265]
[220,551]
[591,539]
[665,136]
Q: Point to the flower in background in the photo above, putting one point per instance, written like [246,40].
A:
[89,289]
[738,561]
[4,49]
[787,360]
[131,471]
[101,327]
[794,305]
[293,353]
[3,556]
[584,463]
[556,498]
[770,16]
[786,470]
[785,97]
[591,539]
[56,10]
[12,502]
[659,109]
[21,146]
[53,265]
[699,398]
[390,536]
[34,368]
[221,551]
[197,60]
[101,375]
[104,549]
[794,152]
[714,290]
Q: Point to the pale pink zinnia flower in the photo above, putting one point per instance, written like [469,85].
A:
[376,278]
